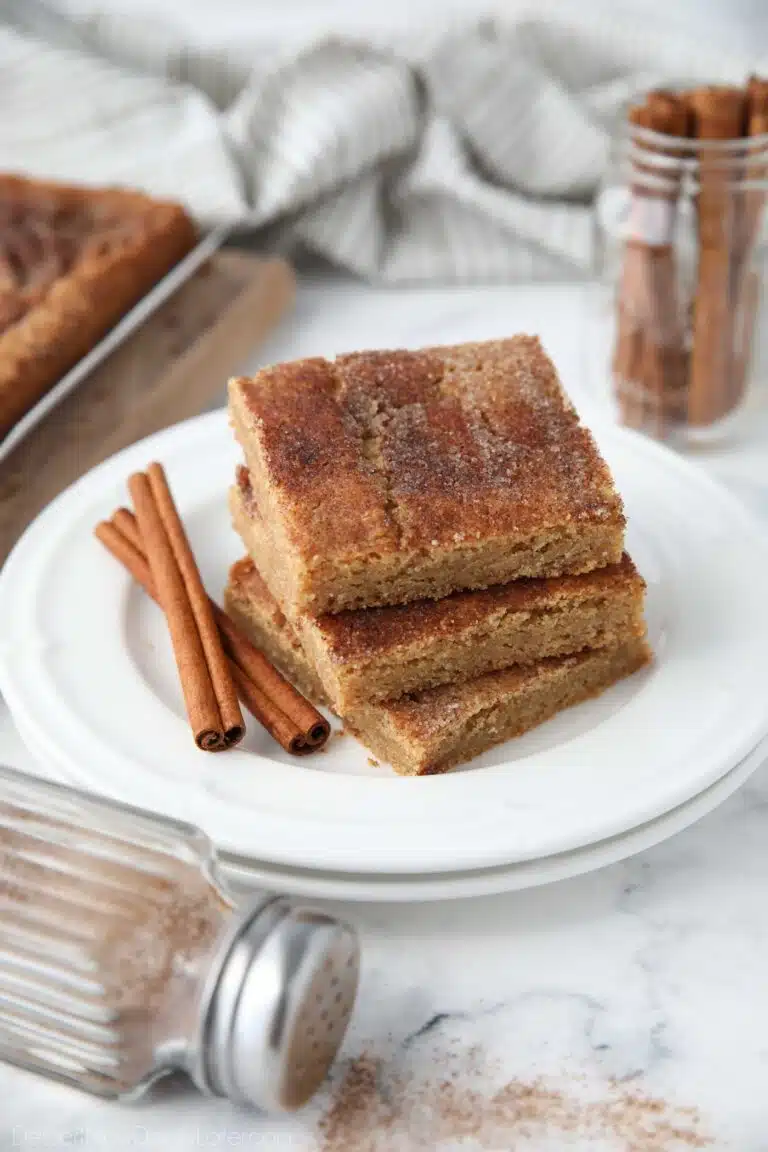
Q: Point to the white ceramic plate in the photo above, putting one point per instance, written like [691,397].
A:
[506,878]
[86,668]
[245,874]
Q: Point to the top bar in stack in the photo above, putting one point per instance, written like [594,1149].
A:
[386,477]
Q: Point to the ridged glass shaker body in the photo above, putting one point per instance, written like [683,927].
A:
[122,957]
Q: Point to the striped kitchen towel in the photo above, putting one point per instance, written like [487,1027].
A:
[453,155]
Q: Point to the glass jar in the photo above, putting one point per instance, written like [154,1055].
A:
[122,957]
[677,340]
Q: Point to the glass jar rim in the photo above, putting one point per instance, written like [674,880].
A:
[690,147]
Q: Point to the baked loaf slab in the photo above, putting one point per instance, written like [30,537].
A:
[432,731]
[381,653]
[73,261]
[386,477]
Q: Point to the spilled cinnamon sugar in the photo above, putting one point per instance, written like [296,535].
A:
[375,1108]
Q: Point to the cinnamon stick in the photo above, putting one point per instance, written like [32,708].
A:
[718,114]
[290,719]
[124,550]
[252,663]
[218,668]
[650,359]
[757,125]
[209,692]
[630,338]
[669,116]
[745,279]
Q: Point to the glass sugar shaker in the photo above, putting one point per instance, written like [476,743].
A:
[122,957]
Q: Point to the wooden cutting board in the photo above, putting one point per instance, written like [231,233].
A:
[171,368]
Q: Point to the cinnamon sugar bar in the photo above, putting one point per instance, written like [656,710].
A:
[429,732]
[381,653]
[386,477]
[73,261]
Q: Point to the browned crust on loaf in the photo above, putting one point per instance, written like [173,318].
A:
[250,604]
[426,730]
[382,653]
[424,727]
[47,332]
[378,453]
[358,634]
[420,715]
[398,583]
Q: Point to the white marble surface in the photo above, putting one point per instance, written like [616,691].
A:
[646,979]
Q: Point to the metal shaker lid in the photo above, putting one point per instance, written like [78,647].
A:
[281,1006]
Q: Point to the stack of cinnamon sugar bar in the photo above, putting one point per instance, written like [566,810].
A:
[435,545]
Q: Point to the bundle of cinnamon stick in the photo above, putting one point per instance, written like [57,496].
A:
[684,334]
[218,666]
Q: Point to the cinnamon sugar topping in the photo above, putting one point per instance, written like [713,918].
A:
[41,240]
[392,476]
[473,439]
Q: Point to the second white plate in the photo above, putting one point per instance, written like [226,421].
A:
[86,668]
[245,874]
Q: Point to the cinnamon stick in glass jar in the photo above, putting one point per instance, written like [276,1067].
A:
[751,205]
[628,348]
[650,364]
[669,117]
[718,114]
